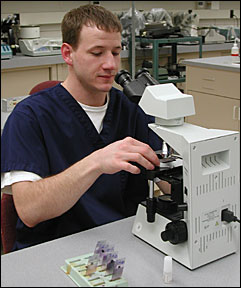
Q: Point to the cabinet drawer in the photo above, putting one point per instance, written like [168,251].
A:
[213,81]
[19,82]
[215,112]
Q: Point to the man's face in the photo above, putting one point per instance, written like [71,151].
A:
[97,58]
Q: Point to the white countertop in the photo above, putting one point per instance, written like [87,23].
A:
[222,63]
[20,60]
[39,266]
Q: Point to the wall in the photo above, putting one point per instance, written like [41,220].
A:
[50,13]
[58,6]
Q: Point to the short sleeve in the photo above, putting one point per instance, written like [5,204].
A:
[22,144]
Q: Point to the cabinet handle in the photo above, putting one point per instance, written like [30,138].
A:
[209,79]
[207,82]
[208,88]
[235,108]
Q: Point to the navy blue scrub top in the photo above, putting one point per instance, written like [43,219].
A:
[49,131]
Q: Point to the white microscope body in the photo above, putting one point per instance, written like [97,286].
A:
[211,181]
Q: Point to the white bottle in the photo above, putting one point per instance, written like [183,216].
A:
[235,52]
[167,269]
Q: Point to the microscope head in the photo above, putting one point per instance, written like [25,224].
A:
[163,101]
[167,104]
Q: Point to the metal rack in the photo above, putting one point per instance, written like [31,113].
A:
[155,52]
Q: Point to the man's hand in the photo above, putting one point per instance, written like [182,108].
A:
[118,155]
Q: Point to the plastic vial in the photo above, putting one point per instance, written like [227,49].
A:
[235,52]
[167,269]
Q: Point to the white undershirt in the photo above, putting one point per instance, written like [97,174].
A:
[96,115]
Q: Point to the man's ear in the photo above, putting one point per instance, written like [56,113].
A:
[66,51]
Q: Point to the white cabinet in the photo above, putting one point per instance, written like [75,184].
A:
[19,81]
[216,96]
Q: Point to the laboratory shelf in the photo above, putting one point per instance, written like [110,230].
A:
[157,44]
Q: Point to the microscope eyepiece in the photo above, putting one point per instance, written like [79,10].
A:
[134,88]
[123,77]
[141,72]
[144,75]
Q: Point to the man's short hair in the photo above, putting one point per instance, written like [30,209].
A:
[89,15]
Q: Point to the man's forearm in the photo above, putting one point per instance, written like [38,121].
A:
[52,196]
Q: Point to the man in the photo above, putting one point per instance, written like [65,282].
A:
[69,152]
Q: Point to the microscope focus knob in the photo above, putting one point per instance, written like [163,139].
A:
[175,232]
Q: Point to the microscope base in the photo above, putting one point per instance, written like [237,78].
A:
[191,254]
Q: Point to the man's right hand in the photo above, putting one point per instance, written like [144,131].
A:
[118,155]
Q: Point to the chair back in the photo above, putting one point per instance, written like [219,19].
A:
[8,222]
[43,85]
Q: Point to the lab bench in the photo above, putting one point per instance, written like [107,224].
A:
[21,73]
[41,265]
[215,85]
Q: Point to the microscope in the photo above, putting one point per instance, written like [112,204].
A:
[196,223]
[9,31]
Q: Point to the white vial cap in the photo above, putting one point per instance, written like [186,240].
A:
[167,269]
